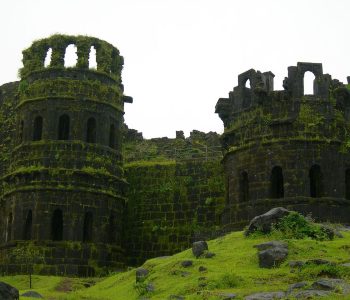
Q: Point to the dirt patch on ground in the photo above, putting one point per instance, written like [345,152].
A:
[65,286]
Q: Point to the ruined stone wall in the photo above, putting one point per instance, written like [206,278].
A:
[285,148]
[170,204]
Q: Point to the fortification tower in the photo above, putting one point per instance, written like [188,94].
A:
[64,189]
[285,148]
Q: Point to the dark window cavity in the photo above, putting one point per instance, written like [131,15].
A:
[347,184]
[91,131]
[316,186]
[20,134]
[63,127]
[27,230]
[38,128]
[57,225]
[9,227]
[243,187]
[87,230]
[276,183]
[112,136]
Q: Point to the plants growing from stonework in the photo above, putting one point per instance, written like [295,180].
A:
[27,255]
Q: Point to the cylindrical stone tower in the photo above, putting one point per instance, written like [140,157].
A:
[65,187]
[285,148]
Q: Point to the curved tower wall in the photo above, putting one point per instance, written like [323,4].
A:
[284,148]
[66,180]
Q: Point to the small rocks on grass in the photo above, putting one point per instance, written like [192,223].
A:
[346,265]
[310,294]
[209,254]
[176,297]
[328,284]
[266,296]
[296,263]
[150,287]
[141,273]
[187,263]
[199,247]
[8,292]
[319,261]
[296,286]
[202,269]
[227,296]
[32,294]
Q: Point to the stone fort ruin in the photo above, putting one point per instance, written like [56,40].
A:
[92,195]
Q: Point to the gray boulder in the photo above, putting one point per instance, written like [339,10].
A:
[8,292]
[273,257]
[310,294]
[141,274]
[330,284]
[198,248]
[271,244]
[264,222]
[32,294]
[187,263]
[266,296]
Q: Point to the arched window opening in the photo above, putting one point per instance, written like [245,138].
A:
[87,230]
[112,228]
[70,57]
[57,225]
[347,184]
[316,186]
[243,187]
[20,133]
[276,183]
[309,78]
[247,84]
[9,227]
[92,58]
[27,230]
[38,128]
[91,131]
[63,127]
[48,56]
[112,136]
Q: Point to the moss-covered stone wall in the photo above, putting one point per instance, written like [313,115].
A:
[170,205]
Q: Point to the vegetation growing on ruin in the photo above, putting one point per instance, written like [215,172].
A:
[234,269]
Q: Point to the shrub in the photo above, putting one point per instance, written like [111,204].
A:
[297,226]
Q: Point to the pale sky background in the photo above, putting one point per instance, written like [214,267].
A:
[182,55]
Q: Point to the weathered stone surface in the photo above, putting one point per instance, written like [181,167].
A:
[32,294]
[202,269]
[296,286]
[266,296]
[271,244]
[8,292]
[310,294]
[176,297]
[296,263]
[187,263]
[319,261]
[272,257]
[150,287]
[227,296]
[264,222]
[329,284]
[141,273]
[209,255]
[198,248]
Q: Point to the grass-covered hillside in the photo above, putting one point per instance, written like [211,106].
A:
[233,269]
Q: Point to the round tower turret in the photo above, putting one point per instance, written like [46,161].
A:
[65,187]
[286,148]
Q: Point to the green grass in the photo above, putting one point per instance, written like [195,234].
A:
[234,269]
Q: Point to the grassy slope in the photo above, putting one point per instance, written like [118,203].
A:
[233,269]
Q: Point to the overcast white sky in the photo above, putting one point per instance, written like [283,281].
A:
[182,55]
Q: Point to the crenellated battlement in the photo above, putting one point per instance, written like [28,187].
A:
[258,112]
